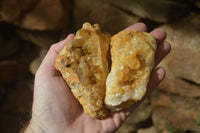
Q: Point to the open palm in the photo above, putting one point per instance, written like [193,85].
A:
[55,109]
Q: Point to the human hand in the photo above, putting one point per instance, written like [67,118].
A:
[55,109]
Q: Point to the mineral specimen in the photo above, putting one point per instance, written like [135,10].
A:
[84,66]
[132,54]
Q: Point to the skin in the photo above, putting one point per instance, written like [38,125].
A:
[55,110]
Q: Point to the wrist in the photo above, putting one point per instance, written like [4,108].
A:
[33,127]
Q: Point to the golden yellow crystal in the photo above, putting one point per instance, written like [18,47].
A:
[132,54]
[84,66]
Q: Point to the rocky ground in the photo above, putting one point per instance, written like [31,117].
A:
[29,27]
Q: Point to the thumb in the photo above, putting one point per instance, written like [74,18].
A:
[49,60]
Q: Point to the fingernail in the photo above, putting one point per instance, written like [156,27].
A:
[167,46]
[161,73]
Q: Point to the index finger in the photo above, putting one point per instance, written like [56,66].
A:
[49,60]
[138,27]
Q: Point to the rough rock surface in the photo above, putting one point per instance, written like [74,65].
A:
[18,103]
[36,14]
[181,113]
[9,45]
[11,10]
[197,4]
[185,53]
[182,64]
[160,11]
[43,39]
[111,19]
[147,130]
[16,107]
[15,67]
[179,86]
[10,71]
[141,114]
